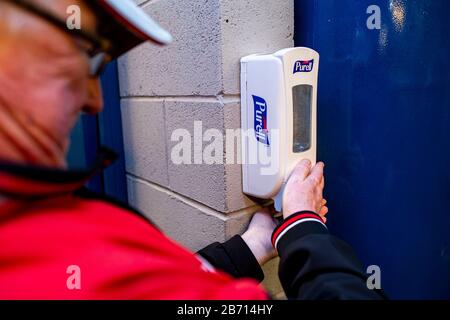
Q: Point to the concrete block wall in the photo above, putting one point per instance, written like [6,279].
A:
[196,78]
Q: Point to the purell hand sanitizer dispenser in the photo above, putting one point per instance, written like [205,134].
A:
[278,118]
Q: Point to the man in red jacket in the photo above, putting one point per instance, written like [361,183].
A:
[58,241]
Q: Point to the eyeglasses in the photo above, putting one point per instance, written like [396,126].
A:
[98,53]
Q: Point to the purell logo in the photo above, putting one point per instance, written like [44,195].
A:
[303,66]
[261,131]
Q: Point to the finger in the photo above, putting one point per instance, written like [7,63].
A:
[324,202]
[323,211]
[316,174]
[302,170]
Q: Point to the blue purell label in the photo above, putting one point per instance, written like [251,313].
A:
[303,66]
[260,120]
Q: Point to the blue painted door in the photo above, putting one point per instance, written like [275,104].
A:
[104,129]
[384,134]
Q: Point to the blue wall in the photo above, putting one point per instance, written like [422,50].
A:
[384,134]
[105,129]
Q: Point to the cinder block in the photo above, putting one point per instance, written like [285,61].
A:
[235,199]
[145,140]
[215,185]
[252,26]
[191,65]
[189,223]
[210,38]
[271,281]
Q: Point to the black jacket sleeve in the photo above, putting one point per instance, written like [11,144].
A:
[316,265]
[234,257]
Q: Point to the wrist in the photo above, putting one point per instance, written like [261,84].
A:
[298,225]
[261,251]
[289,211]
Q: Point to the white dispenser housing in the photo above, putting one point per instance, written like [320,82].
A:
[278,118]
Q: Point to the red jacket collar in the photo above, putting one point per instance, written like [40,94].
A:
[21,181]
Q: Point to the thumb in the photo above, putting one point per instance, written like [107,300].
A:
[301,170]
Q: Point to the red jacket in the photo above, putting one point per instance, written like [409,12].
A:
[52,239]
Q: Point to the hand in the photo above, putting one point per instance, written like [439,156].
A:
[304,190]
[258,236]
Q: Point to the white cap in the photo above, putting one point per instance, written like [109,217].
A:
[132,25]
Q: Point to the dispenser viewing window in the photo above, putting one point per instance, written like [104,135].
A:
[278,114]
[301,102]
